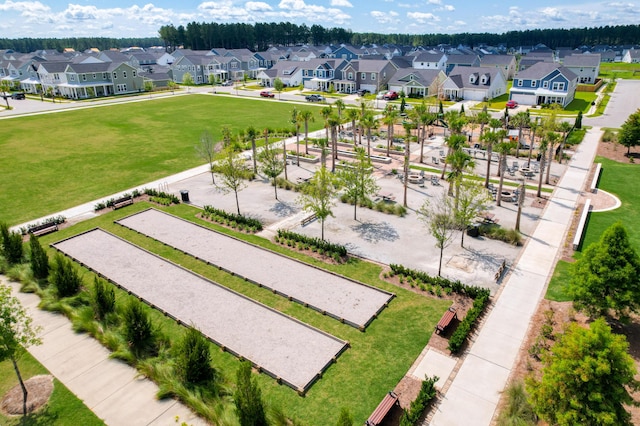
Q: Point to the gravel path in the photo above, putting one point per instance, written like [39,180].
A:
[284,347]
[357,304]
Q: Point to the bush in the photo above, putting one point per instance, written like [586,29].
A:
[221,216]
[459,336]
[64,277]
[499,233]
[411,417]
[138,329]
[159,194]
[39,259]
[104,300]
[193,358]
[433,282]
[11,244]
[316,244]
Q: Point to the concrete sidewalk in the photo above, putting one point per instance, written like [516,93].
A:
[110,388]
[474,393]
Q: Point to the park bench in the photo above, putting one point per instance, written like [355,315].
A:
[446,319]
[43,229]
[383,409]
[503,267]
[122,202]
[308,219]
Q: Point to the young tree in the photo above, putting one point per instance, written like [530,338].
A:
[248,398]
[278,85]
[318,196]
[187,79]
[64,277]
[270,162]
[578,122]
[439,216]
[471,199]
[207,150]
[586,378]
[11,244]
[607,276]
[357,180]
[103,299]
[334,124]
[233,173]
[172,85]
[629,134]
[565,127]
[503,149]
[491,138]
[352,115]
[306,116]
[368,121]
[17,333]
[138,329]
[193,358]
[389,117]
[251,133]
[39,259]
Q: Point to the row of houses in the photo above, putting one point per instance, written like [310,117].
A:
[457,74]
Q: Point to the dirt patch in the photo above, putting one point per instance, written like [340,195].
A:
[559,315]
[39,390]
[616,152]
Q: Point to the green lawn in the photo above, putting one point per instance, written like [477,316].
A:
[54,161]
[376,360]
[581,102]
[63,409]
[619,70]
[615,178]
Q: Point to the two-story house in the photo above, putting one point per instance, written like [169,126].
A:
[585,66]
[474,83]
[88,80]
[506,63]
[290,73]
[194,65]
[429,61]
[52,74]
[631,56]
[371,74]
[544,83]
[461,60]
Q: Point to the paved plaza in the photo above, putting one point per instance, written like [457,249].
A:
[283,347]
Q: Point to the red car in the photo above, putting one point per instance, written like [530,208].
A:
[511,104]
[389,96]
[266,94]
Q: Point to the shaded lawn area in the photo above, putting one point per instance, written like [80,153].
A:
[54,161]
[63,408]
[581,102]
[619,70]
[376,360]
[615,178]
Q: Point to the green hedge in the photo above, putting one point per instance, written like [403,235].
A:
[455,286]
[411,417]
[322,246]
[232,219]
[459,336]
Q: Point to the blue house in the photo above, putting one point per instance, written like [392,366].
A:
[544,83]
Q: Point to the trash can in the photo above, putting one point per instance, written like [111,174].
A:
[473,230]
[184,194]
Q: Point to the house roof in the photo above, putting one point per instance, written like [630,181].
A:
[462,76]
[54,66]
[541,69]
[462,59]
[592,60]
[424,77]
[428,57]
[369,65]
[89,68]
[497,59]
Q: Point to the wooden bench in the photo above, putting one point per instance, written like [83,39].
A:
[383,409]
[308,219]
[503,267]
[43,229]
[122,202]
[446,319]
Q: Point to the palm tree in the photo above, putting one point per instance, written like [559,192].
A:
[455,121]
[455,141]
[472,120]
[543,163]
[368,122]
[520,120]
[427,119]
[408,125]
[552,138]
[533,126]
[340,106]
[483,118]
[565,127]
[503,149]
[307,116]
[334,123]
[297,119]
[460,162]
[325,112]
[352,115]
[490,138]
[389,118]
[251,134]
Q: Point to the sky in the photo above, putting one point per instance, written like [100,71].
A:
[130,18]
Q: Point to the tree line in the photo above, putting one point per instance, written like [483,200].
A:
[261,35]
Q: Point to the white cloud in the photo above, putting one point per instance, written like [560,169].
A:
[446,8]
[422,17]
[434,1]
[24,6]
[553,13]
[75,12]
[341,3]
[257,6]
[390,17]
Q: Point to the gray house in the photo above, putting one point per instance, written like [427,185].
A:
[586,67]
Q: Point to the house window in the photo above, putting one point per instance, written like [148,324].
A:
[115,75]
[519,82]
[124,74]
[350,77]
[557,86]
[84,77]
[72,77]
[56,76]
[373,76]
[545,84]
[94,75]
[534,83]
[104,75]
[122,87]
[134,73]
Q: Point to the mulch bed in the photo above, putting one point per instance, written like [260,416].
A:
[39,390]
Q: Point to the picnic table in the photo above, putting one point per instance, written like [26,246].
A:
[488,218]
[386,196]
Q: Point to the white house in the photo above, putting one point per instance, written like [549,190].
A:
[474,83]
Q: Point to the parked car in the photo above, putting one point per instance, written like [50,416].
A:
[314,98]
[362,92]
[389,96]
[228,83]
[17,95]
[511,103]
[266,94]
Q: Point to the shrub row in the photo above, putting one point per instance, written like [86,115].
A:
[455,286]
[232,219]
[411,417]
[287,184]
[499,233]
[160,200]
[380,206]
[56,219]
[111,201]
[459,336]
[160,194]
[322,246]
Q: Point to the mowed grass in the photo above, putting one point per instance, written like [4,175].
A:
[619,70]
[373,364]
[63,408]
[615,179]
[54,161]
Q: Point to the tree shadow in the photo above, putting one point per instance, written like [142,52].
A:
[374,232]
[284,209]
[42,417]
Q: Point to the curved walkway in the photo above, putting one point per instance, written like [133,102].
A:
[474,392]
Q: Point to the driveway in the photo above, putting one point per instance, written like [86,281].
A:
[625,100]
